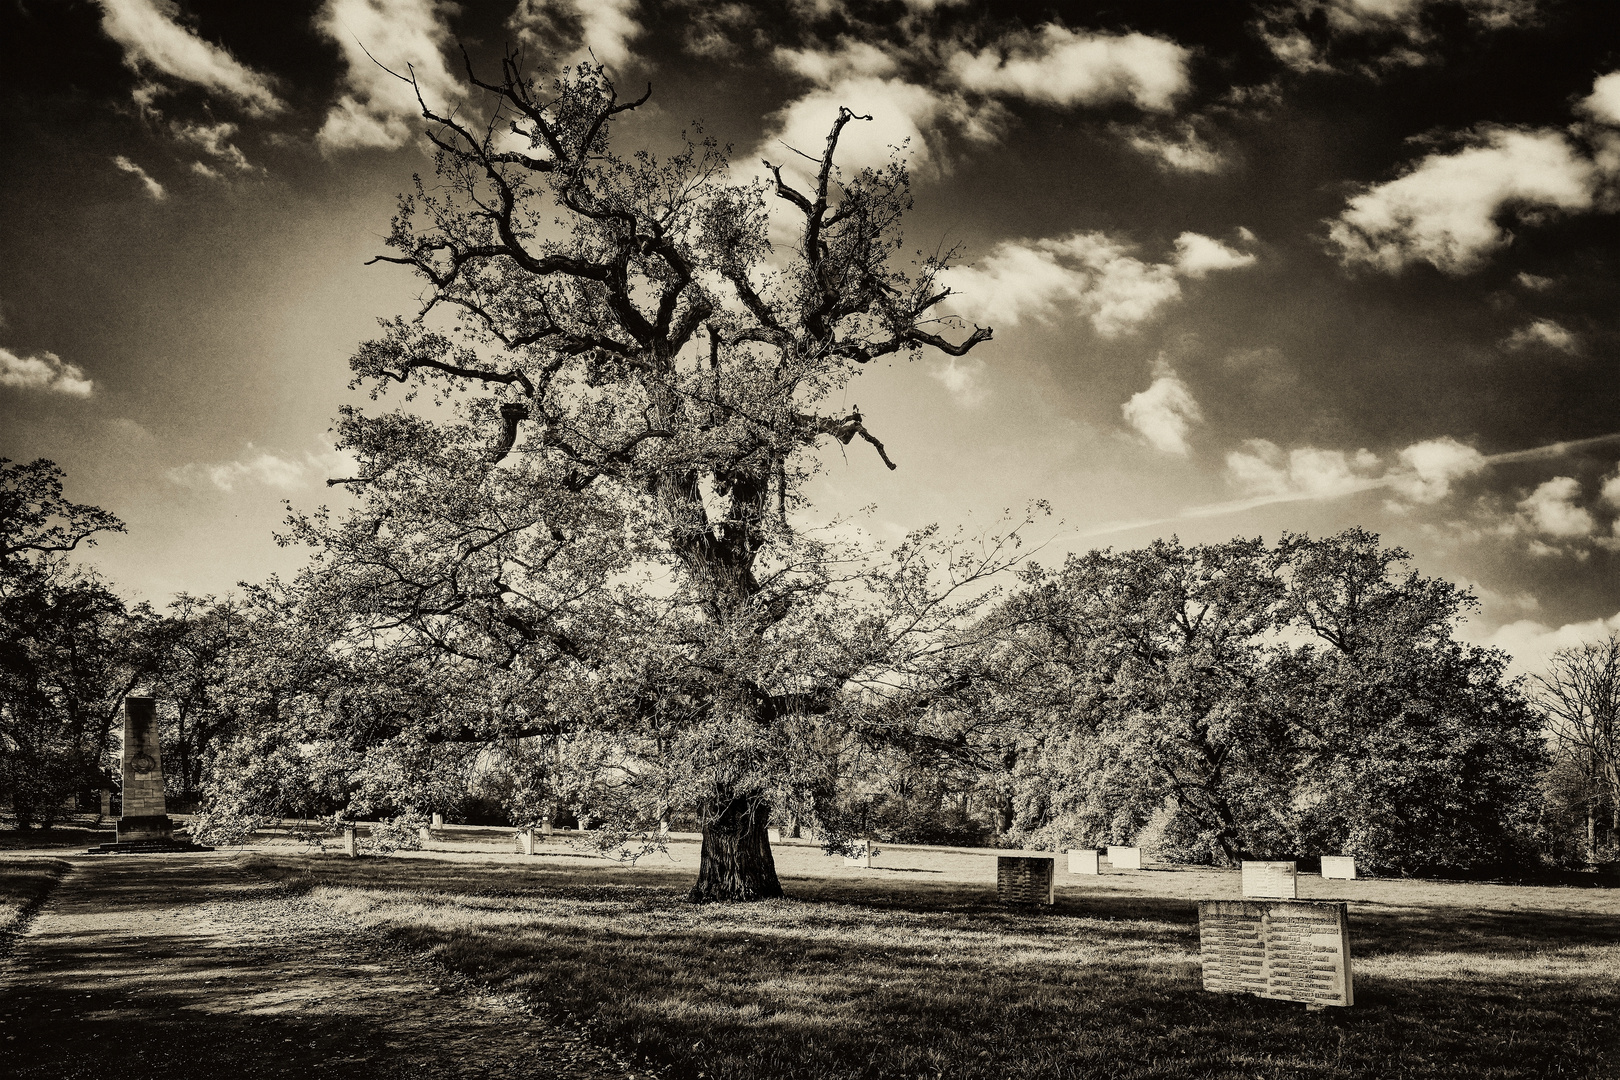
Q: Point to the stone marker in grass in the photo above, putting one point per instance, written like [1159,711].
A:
[424,835]
[862,857]
[1288,950]
[1124,858]
[351,844]
[1084,861]
[438,821]
[774,835]
[1278,880]
[525,841]
[545,827]
[1339,866]
[1025,879]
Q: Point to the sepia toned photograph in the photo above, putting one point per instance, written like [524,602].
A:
[813,539]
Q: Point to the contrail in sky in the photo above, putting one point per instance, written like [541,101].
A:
[1237,506]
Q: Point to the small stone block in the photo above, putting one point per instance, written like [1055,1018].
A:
[1084,861]
[425,835]
[1025,880]
[351,845]
[1124,858]
[545,827]
[774,835]
[525,841]
[438,821]
[1275,880]
[1339,866]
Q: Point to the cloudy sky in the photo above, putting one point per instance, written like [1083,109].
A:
[1252,267]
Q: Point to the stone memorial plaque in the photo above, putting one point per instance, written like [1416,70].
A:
[1025,880]
[424,835]
[1125,858]
[1339,866]
[145,815]
[545,827]
[1276,880]
[774,835]
[1287,950]
[438,821]
[1084,861]
[525,841]
[351,844]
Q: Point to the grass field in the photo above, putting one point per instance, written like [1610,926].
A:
[911,969]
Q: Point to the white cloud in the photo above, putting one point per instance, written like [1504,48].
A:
[1610,492]
[43,371]
[1261,468]
[1552,509]
[1532,643]
[1197,255]
[377,109]
[215,140]
[902,114]
[153,39]
[603,28]
[261,468]
[964,379]
[1444,210]
[1543,332]
[1399,23]
[1603,104]
[1186,152]
[1058,66]
[1533,282]
[1091,274]
[1425,470]
[153,188]
[1164,412]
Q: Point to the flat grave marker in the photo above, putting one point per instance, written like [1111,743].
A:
[438,821]
[424,836]
[1084,861]
[1124,858]
[351,846]
[1273,880]
[1287,950]
[525,841]
[1025,879]
[1342,867]
[774,835]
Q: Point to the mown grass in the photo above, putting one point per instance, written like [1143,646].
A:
[896,977]
[24,885]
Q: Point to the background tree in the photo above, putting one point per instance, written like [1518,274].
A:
[69,650]
[1580,695]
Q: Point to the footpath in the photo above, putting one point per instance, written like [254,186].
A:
[146,966]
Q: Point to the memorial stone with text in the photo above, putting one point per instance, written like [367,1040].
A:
[1288,950]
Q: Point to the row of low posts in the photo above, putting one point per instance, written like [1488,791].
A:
[1270,943]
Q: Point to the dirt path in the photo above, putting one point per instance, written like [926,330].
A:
[186,965]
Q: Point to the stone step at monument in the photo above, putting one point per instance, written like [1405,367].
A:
[146,847]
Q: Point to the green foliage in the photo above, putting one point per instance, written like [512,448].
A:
[1241,700]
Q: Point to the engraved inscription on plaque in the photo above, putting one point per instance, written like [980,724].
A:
[1286,950]
[1083,861]
[1339,866]
[1024,880]
[1276,880]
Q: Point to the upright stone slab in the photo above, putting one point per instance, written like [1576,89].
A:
[145,816]
[1339,866]
[1025,879]
[1288,950]
[774,835]
[424,835]
[1124,858]
[1084,861]
[438,821]
[545,827]
[1276,880]
[351,843]
[525,841]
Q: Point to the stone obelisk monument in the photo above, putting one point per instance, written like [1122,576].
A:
[145,816]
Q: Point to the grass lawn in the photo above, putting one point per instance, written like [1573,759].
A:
[24,884]
[913,971]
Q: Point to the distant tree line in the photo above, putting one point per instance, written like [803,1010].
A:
[1210,702]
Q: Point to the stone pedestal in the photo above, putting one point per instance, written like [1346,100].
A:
[145,817]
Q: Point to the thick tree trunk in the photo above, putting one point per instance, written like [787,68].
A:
[736,863]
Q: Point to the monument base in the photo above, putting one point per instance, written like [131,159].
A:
[161,846]
[144,827]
